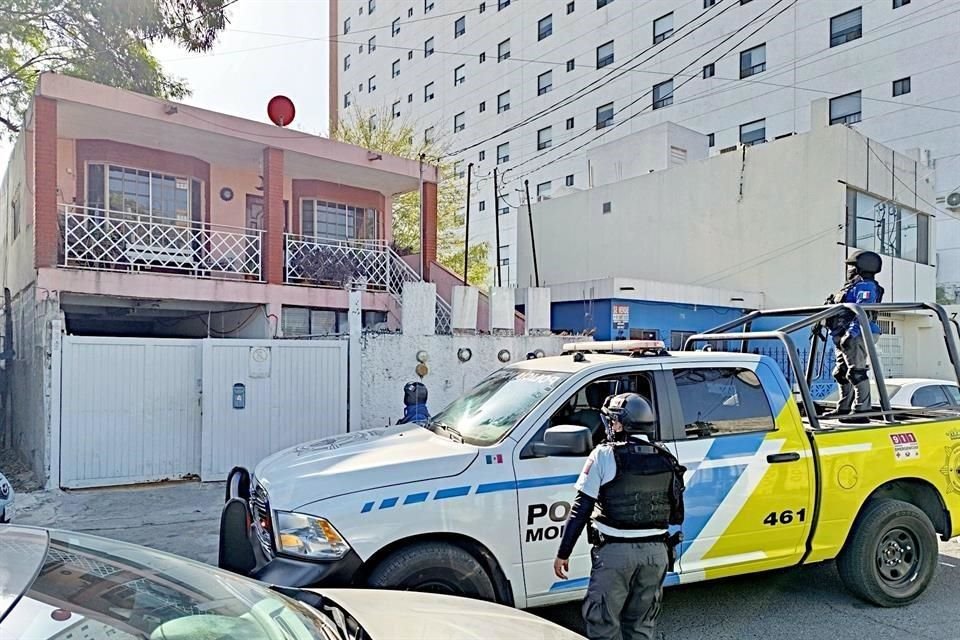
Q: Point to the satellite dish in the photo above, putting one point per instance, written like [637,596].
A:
[281,111]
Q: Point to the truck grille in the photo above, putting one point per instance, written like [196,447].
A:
[260,508]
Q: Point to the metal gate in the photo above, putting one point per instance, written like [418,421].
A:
[130,410]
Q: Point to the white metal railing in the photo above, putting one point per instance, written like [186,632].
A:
[333,262]
[122,241]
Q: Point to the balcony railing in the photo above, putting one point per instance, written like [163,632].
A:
[110,240]
[328,262]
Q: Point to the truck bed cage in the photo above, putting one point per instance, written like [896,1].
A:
[814,318]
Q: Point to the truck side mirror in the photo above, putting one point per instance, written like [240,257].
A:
[564,440]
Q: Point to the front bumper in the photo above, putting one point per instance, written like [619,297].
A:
[242,547]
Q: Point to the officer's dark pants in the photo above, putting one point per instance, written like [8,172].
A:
[851,373]
[626,587]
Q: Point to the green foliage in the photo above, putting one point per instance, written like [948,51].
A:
[106,41]
[378,131]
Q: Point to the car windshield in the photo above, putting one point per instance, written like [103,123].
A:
[495,406]
[88,587]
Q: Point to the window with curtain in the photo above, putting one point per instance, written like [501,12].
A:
[158,195]
[337,221]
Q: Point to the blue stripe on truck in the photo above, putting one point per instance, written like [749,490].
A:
[458,492]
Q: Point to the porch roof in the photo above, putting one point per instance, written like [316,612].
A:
[94,111]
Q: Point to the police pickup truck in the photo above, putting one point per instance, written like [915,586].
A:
[475,503]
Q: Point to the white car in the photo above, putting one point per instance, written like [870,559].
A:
[909,393]
[6,499]
[60,584]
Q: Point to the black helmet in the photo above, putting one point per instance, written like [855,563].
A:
[866,262]
[632,411]
[414,393]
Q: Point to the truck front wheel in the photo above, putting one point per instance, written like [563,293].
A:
[891,556]
[434,567]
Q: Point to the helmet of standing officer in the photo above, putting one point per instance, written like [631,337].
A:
[632,412]
[865,263]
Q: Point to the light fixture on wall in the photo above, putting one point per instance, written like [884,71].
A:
[422,356]
[464,354]
[503,356]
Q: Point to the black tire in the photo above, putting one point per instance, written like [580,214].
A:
[891,556]
[434,567]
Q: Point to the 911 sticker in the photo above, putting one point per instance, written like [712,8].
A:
[905,446]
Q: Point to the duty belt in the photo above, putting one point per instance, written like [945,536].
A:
[672,540]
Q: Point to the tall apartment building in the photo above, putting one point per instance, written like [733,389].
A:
[528,86]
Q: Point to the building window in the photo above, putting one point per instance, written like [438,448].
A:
[709,70]
[544,138]
[460,27]
[503,50]
[544,82]
[427,6]
[483,7]
[346,62]
[887,227]
[711,139]
[753,132]
[503,153]
[346,26]
[605,54]
[663,94]
[570,7]
[543,191]
[901,86]
[372,83]
[396,109]
[503,101]
[606,207]
[846,27]
[900,3]
[372,44]
[483,106]
[709,3]
[662,28]
[459,75]
[504,210]
[568,181]
[483,57]
[504,260]
[753,61]
[428,48]
[458,122]
[160,196]
[502,4]
[410,12]
[482,155]
[395,69]
[458,169]
[373,122]
[428,92]
[371,5]
[602,3]
[544,27]
[845,109]
[347,100]
[428,135]
[482,205]
[395,27]
[605,115]
[319,219]
[569,123]
[570,65]
[409,97]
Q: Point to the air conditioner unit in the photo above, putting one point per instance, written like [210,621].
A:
[953,201]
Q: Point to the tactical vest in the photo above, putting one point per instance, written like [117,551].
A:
[647,491]
[838,323]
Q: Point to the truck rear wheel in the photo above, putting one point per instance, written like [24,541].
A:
[434,567]
[891,556]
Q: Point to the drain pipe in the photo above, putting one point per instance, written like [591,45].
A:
[422,209]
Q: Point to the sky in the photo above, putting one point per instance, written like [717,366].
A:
[270,47]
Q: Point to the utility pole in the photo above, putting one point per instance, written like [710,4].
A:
[466,231]
[533,239]
[496,221]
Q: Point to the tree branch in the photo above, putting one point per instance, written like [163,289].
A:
[13,128]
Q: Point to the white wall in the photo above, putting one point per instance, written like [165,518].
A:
[17,249]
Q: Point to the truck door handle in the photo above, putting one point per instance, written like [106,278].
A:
[791,456]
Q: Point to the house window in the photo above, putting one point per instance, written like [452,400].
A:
[459,75]
[544,82]
[503,153]
[900,3]
[428,92]
[717,402]
[503,50]
[543,191]
[901,86]
[482,156]
[372,44]
[346,62]
[395,69]
[482,205]
[602,3]
[428,48]
[662,28]
[427,6]
[336,220]
[569,123]
[605,54]
[605,115]
[570,65]
[428,135]
[887,228]
[544,27]
[483,106]
[544,138]
[606,207]
[346,26]
[753,132]
[711,139]
[347,99]
[162,197]
[396,109]
[709,70]
[568,181]
[846,27]
[502,4]
[570,7]
[458,122]
[503,101]
[371,5]
[372,83]
[460,27]
[663,94]
[845,109]
[753,61]
[395,27]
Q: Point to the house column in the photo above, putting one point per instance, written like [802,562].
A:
[429,226]
[273,241]
[45,215]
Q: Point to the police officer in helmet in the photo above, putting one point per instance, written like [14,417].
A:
[630,491]
[850,372]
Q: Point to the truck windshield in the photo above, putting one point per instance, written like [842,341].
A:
[495,406]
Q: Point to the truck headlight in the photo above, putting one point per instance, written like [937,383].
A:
[309,537]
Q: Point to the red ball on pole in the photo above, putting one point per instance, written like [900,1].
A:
[281,110]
